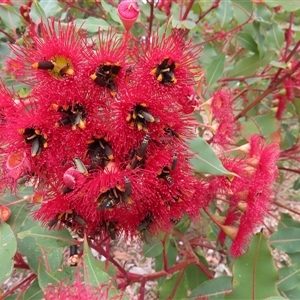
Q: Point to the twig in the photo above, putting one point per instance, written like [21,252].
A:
[214,6]
[267,92]
[108,257]
[188,8]
[151,3]
[287,208]
[12,39]
[27,279]
[171,297]
[142,289]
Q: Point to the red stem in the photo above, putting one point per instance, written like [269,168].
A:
[286,60]
[287,208]
[151,3]
[165,258]
[10,292]
[214,6]
[142,289]
[188,8]
[288,37]
[289,170]
[171,297]
[12,39]
[267,92]
[108,257]
[21,266]
[85,10]
[132,277]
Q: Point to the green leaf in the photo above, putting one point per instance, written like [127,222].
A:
[153,249]
[249,66]
[19,213]
[215,69]
[184,224]
[195,276]
[205,160]
[278,64]
[93,269]
[8,248]
[254,273]
[247,41]
[292,294]
[288,5]
[296,185]
[286,239]
[212,289]
[224,12]
[295,257]
[171,254]
[37,13]
[10,17]
[47,277]
[92,24]
[296,102]
[183,24]
[34,253]
[50,7]
[48,238]
[34,292]
[264,124]
[275,37]
[289,277]
[287,221]
[112,11]
[167,287]
[242,10]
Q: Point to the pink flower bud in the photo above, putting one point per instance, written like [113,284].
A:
[128,11]
[4,213]
[73,178]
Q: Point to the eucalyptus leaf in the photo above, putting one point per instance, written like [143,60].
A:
[92,24]
[215,69]
[286,239]
[254,273]
[205,160]
[48,238]
[224,12]
[8,248]
[93,269]
[153,249]
[212,289]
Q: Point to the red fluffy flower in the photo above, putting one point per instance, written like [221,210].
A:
[251,190]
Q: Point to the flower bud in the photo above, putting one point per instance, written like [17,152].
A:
[128,11]
[4,213]
[242,206]
[73,178]
[230,231]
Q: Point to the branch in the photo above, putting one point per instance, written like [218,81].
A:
[267,92]
[286,60]
[12,39]
[287,208]
[108,257]
[214,6]
[151,3]
[189,7]
[27,279]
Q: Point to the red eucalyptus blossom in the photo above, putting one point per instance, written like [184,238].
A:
[250,190]
[53,58]
[167,65]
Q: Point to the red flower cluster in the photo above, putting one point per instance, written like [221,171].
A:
[249,191]
[101,134]
[78,290]
[221,107]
